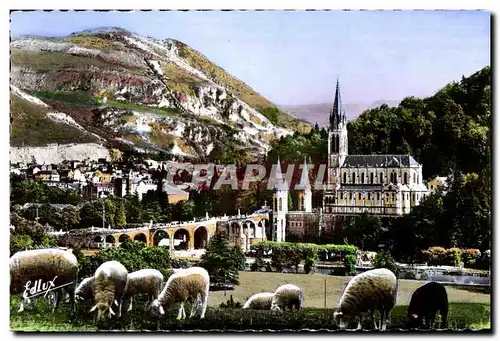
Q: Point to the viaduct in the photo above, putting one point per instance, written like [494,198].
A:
[242,230]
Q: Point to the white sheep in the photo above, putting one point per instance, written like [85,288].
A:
[47,267]
[192,283]
[369,291]
[286,297]
[85,290]
[261,300]
[145,281]
[110,280]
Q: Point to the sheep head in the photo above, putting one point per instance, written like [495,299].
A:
[101,310]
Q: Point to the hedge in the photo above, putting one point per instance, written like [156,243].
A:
[438,255]
[461,315]
[291,255]
[134,256]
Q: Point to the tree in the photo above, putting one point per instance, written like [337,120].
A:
[28,235]
[222,262]
[69,218]
[364,231]
[383,259]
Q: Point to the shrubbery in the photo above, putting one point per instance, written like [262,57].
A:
[291,255]
[350,265]
[134,256]
[384,259]
[437,255]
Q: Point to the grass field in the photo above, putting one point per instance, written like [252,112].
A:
[314,287]
[468,309]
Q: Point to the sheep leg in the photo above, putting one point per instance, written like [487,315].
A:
[21,306]
[55,301]
[194,308]
[375,326]
[179,315]
[383,319]
[360,319]
[204,303]
[130,304]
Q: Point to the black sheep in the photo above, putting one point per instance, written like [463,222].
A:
[425,302]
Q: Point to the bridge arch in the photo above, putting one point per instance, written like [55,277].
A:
[249,228]
[159,236]
[141,238]
[123,237]
[235,232]
[110,239]
[200,237]
[265,229]
[98,239]
[182,235]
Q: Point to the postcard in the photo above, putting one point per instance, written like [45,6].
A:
[285,171]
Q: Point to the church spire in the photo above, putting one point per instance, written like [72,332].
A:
[304,179]
[337,114]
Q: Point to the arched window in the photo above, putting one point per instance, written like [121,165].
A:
[406,178]
[337,145]
[391,177]
[345,177]
[414,177]
[353,178]
[302,203]
[363,178]
[371,178]
[369,196]
[418,179]
[381,177]
[280,202]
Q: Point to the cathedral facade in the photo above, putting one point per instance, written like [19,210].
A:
[384,185]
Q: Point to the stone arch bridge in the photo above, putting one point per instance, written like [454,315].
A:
[242,230]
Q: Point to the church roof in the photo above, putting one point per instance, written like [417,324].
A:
[384,161]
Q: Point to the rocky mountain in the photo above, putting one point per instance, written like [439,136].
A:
[114,87]
[318,113]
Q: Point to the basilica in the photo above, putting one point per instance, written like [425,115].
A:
[384,185]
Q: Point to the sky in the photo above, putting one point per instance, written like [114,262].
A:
[295,57]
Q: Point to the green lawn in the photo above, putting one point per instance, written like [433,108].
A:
[467,310]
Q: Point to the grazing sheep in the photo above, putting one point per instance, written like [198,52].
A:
[110,280]
[52,268]
[146,281]
[425,302]
[369,291]
[287,296]
[85,290]
[192,283]
[261,300]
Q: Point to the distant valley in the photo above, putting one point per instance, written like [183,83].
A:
[318,113]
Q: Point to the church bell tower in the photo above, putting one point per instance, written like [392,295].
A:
[337,150]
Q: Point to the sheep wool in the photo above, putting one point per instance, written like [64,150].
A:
[110,280]
[286,297]
[145,281]
[259,301]
[192,283]
[369,291]
[46,265]
[85,289]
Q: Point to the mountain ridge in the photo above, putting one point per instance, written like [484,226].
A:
[102,75]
